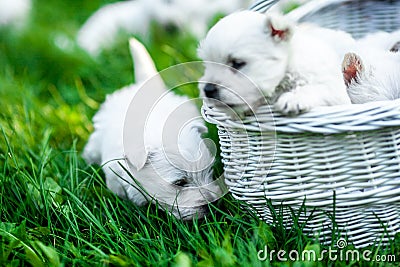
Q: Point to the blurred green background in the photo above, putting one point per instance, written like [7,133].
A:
[47,74]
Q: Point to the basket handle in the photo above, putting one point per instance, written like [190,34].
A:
[298,13]
[262,5]
[310,7]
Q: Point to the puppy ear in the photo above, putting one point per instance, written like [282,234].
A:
[278,27]
[200,127]
[137,157]
[144,65]
[396,47]
[352,67]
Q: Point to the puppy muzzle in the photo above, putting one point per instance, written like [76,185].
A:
[211,91]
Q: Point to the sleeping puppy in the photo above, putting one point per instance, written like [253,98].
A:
[149,144]
[251,58]
[372,74]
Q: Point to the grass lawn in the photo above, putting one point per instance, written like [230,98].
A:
[55,210]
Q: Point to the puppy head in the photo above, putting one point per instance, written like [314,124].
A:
[180,14]
[245,56]
[179,176]
[184,192]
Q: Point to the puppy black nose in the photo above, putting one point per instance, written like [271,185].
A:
[211,90]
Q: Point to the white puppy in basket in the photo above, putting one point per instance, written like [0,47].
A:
[295,68]
[170,164]
[373,73]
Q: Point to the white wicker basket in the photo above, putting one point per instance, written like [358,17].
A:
[341,162]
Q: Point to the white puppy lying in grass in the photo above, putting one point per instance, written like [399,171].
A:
[170,164]
[295,68]
[373,73]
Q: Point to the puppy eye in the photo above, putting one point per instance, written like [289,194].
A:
[180,182]
[237,63]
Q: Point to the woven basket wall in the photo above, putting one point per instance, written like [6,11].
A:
[340,162]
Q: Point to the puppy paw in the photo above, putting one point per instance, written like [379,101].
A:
[292,103]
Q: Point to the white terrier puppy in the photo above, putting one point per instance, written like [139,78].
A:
[296,68]
[160,145]
[372,75]
[135,17]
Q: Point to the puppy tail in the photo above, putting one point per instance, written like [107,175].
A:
[143,63]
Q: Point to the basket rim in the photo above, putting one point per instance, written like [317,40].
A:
[363,196]
[324,119]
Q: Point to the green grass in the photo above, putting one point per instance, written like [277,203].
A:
[55,210]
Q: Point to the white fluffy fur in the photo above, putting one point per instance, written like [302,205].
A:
[380,40]
[14,12]
[307,51]
[378,77]
[135,16]
[164,162]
